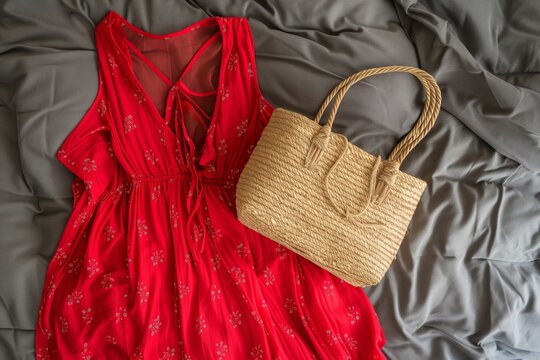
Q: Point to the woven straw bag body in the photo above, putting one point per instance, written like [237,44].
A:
[326,199]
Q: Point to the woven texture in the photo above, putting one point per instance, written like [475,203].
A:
[328,200]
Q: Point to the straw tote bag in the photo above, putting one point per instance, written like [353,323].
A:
[326,199]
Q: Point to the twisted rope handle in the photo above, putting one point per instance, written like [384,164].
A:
[385,180]
[345,211]
[424,123]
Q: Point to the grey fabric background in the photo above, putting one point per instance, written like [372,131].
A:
[466,281]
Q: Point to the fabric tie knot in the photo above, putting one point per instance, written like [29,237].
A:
[195,232]
[196,226]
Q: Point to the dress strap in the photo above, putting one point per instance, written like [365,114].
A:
[251,68]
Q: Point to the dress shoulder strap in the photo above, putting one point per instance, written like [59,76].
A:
[243,59]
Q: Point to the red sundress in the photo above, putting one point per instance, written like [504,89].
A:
[153,263]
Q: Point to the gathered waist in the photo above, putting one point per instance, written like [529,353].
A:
[128,185]
[177,178]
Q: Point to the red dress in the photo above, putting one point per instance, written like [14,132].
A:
[153,263]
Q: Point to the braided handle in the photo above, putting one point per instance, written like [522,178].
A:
[424,123]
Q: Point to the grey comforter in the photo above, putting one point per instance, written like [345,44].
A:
[466,281]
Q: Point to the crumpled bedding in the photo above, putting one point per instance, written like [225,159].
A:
[466,280]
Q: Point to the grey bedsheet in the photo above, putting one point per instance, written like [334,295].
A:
[466,281]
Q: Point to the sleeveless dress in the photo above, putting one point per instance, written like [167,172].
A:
[153,263]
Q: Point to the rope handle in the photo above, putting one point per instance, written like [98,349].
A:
[424,123]
[385,173]
[346,212]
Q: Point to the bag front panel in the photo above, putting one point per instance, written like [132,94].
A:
[287,202]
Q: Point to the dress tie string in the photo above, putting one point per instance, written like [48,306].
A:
[195,232]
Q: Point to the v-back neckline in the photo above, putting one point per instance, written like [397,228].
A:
[124,45]
[188,67]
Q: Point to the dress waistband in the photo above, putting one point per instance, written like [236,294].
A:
[128,185]
[175,178]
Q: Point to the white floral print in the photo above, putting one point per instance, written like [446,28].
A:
[112,61]
[353,315]
[197,232]
[242,128]
[282,252]
[129,124]
[182,351]
[351,343]
[109,232]
[183,290]
[74,298]
[43,354]
[64,325]
[222,147]
[290,305]
[232,178]
[256,352]
[215,293]
[269,277]
[110,149]
[200,325]
[238,275]
[214,232]
[87,315]
[224,92]
[168,354]
[102,107]
[89,165]
[222,349]
[74,266]
[158,257]
[107,281]
[257,317]
[138,353]
[216,262]
[92,266]
[223,24]
[139,96]
[332,338]
[235,319]
[241,250]
[328,287]
[154,326]
[156,191]
[142,228]
[86,354]
[81,219]
[250,70]
[262,104]
[120,314]
[288,330]
[232,64]
[62,155]
[173,216]
[60,256]
[142,292]
[150,156]
[51,289]
[162,137]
